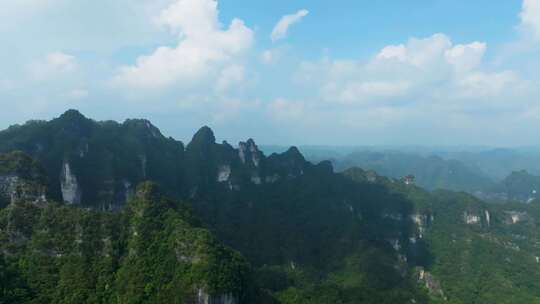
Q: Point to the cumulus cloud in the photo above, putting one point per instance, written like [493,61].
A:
[530,17]
[282,27]
[53,65]
[437,49]
[466,57]
[204,49]
[201,66]
[417,52]
[398,73]
[428,81]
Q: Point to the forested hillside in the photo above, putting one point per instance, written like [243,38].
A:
[231,225]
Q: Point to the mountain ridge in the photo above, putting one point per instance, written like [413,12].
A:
[299,232]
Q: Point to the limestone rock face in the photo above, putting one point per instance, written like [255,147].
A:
[14,189]
[515,217]
[96,164]
[21,179]
[204,298]
[422,221]
[471,219]
[249,153]
[71,192]
[431,283]
[224,172]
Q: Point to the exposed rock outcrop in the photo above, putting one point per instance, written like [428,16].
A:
[422,222]
[515,217]
[224,173]
[471,219]
[249,153]
[204,298]
[430,283]
[71,192]
[14,189]
[21,179]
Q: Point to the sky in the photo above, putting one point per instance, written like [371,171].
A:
[287,72]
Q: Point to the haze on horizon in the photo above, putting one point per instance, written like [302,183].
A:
[347,73]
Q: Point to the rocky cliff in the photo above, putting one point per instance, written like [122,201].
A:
[21,179]
[96,164]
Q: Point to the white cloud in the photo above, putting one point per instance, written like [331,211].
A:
[491,84]
[77,94]
[398,52]
[204,48]
[282,27]
[61,62]
[530,17]
[54,65]
[424,87]
[400,73]
[230,76]
[417,52]
[45,25]
[437,49]
[355,92]
[466,57]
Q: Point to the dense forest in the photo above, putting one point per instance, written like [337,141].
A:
[107,212]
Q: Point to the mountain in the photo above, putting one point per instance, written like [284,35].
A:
[303,228]
[499,163]
[430,172]
[518,186]
[97,164]
[232,225]
[477,252]
[152,252]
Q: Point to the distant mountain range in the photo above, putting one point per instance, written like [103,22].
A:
[492,174]
[495,163]
[107,212]
[431,172]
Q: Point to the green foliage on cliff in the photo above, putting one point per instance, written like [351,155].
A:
[17,163]
[477,252]
[153,252]
[302,233]
[107,157]
[302,227]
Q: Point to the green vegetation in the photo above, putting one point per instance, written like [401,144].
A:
[478,253]
[109,159]
[299,232]
[153,252]
[21,178]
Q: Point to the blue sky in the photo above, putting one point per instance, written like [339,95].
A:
[283,72]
